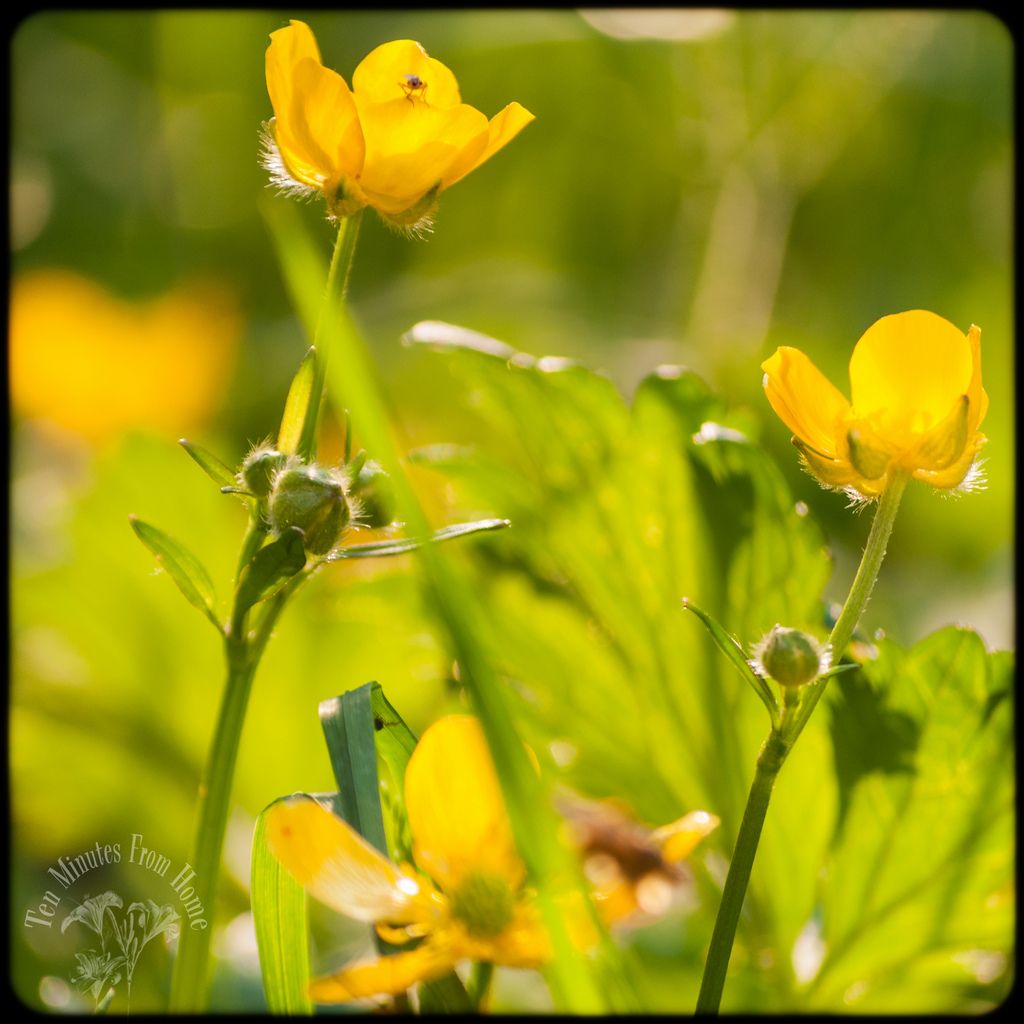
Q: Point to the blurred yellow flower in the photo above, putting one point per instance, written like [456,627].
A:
[396,140]
[917,403]
[96,365]
[478,909]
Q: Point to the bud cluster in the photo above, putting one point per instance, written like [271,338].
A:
[321,501]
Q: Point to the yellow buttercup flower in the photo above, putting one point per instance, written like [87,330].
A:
[96,365]
[394,141]
[916,405]
[465,897]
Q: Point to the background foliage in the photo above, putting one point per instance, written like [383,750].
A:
[696,190]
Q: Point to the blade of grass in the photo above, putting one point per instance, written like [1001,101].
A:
[353,385]
[348,727]
[279,916]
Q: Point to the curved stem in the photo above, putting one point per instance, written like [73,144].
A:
[777,747]
[860,591]
[769,761]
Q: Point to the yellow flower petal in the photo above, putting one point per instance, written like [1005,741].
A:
[340,868]
[316,124]
[976,394]
[804,399]
[907,371]
[410,147]
[456,811]
[954,475]
[388,975]
[395,70]
[501,129]
[679,839]
[831,472]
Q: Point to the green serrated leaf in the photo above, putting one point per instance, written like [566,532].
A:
[918,912]
[214,468]
[182,566]
[296,404]
[280,918]
[399,546]
[270,569]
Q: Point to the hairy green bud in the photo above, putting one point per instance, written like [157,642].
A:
[258,469]
[791,657]
[314,500]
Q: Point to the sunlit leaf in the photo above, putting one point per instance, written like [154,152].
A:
[215,468]
[182,566]
[401,545]
[296,404]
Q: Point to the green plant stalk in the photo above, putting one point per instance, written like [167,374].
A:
[243,650]
[777,747]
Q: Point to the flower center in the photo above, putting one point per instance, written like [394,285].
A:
[484,903]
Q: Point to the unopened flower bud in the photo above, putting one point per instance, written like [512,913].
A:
[372,488]
[314,500]
[258,469]
[791,657]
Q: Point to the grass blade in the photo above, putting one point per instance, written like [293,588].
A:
[182,566]
[353,385]
[279,915]
[348,725]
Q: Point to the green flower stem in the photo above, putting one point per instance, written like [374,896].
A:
[860,591]
[777,747]
[337,288]
[243,651]
[769,761]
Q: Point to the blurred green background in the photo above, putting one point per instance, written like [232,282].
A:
[698,188]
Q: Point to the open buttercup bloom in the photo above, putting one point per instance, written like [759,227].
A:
[916,403]
[394,141]
[466,896]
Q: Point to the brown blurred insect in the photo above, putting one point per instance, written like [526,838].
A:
[635,871]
